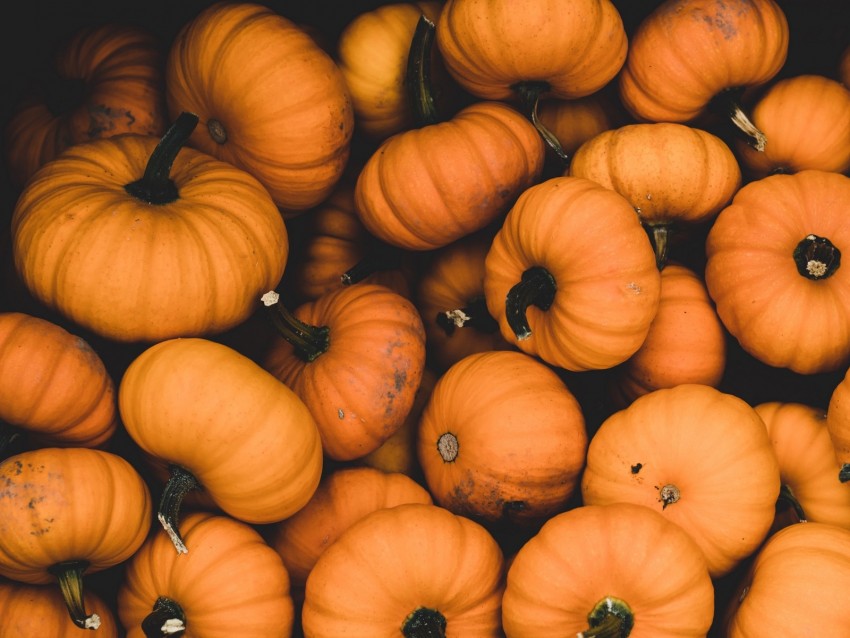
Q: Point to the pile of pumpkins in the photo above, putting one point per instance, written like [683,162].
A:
[435,328]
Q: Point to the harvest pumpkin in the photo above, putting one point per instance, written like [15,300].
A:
[144,241]
[608,570]
[774,270]
[414,567]
[838,425]
[571,276]
[67,512]
[269,99]
[699,456]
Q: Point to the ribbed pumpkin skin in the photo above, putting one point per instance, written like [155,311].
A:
[711,446]
[424,188]
[573,122]
[687,51]
[133,271]
[397,559]
[284,104]
[779,316]
[627,551]
[488,46]
[63,504]
[249,441]
[230,584]
[53,385]
[121,69]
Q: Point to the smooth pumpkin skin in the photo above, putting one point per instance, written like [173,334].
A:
[517,434]
[686,52]
[68,504]
[231,584]
[779,316]
[120,68]
[53,384]
[580,557]
[250,442]
[806,119]
[397,559]
[608,286]
[425,188]
[133,271]
[797,585]
[489,46]
[280,98]
[711,446]
[38,610]
[806,458]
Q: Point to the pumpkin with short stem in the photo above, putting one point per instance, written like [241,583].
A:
[67,512]
[502,439]
[699,456]
[223,425]
[231,584]
[674,175]
[608,570]
[689,55]
[143,241]
[807,120]
[355,357]
[838,425]
[108,81]
[283,113]
[416,569]
[571,276]
[774,270]
[54,388]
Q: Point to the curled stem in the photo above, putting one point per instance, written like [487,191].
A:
[70,577]
[529,97]
[417,78]
[309,342]
[179,484]
[537,287]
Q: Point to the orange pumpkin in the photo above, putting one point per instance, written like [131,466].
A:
[573,122]
[838,425]
[270,100]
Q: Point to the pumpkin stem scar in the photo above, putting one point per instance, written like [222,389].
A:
[217,131]
[417,79]
[536,287]
[610,618]
[155,186]
[308,341]
[424,623]
[448,446]
[529,96]
[70,577]
[473,315]
[179,484]
[816,257]
[668,494]
[166,619]
[727,104]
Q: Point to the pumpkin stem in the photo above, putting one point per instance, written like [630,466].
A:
[727,104]
[787,500]
[529,97]
[166,619]
[309,341]
[816,257]
[70,577]
[659,234]
[610,618]
[379,257]
[417,79]
[179,484]
[156,187]
[844,473]
[473,315]
[536,287]
[424,623]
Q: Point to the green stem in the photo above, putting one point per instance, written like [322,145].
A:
[180,483]
[816,257]
[70,577]
[529,96]
[310,342]
[424,623]
[537,287]
[166,619]
[473,315]
[727,105]
[417,78]
[610,618]
[156,186]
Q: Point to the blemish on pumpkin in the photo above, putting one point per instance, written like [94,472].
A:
[340,413]
[634,287]
[400,379]
[636,468]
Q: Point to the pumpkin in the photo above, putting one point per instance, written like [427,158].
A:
[246,440]
[53,386]
[425,188]
[355,357]
[688,55]
[575,121]
[673,175]
[67,512]
[699,456]
[108,80]
[233,584]
[502,439]
[807,120]
[838,425]
[610,570]
[416,568]
[773,270]
[141,241]
[571,276]
[270,100]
